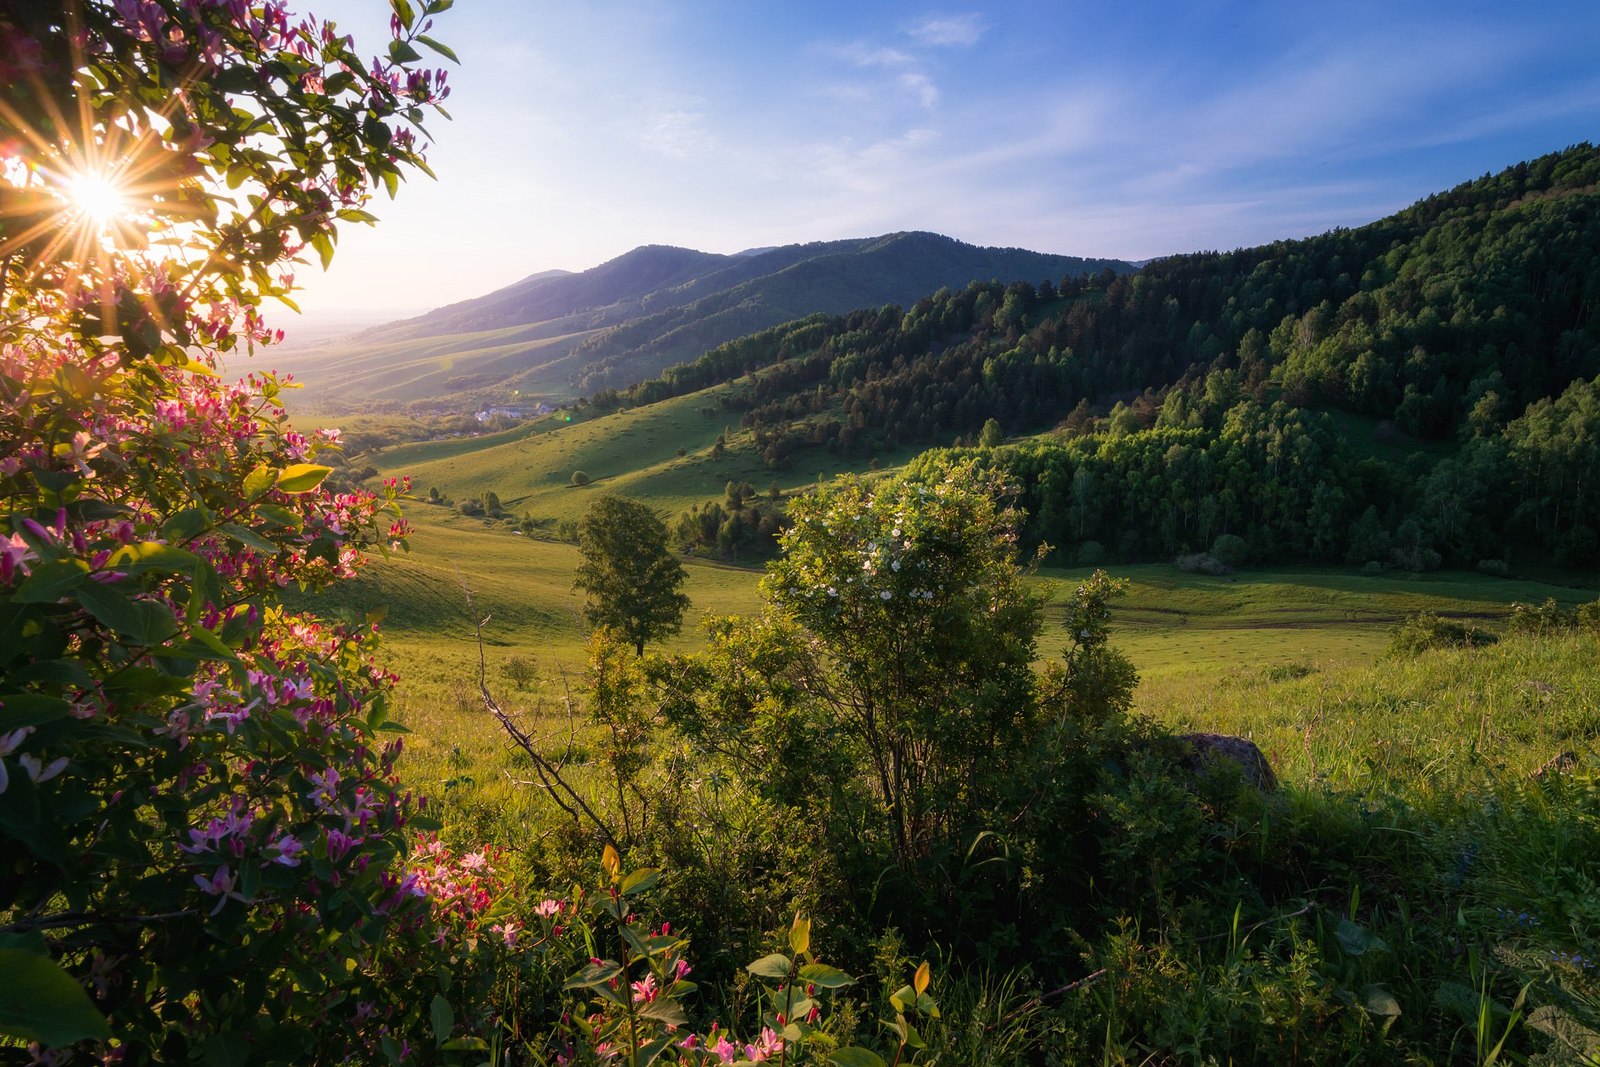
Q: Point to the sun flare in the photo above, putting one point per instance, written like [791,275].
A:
[96,198]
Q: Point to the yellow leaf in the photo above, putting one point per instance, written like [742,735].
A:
[920,982]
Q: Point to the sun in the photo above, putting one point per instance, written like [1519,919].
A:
[96,198]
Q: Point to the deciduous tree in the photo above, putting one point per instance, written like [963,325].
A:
[633,581]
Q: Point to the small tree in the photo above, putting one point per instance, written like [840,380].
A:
[632,580]
[900,638]
[992,435]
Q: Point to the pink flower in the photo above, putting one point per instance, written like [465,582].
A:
[14,557]
[766,1046]
[645,990]
[288,851]
[726,1050]
[219,885]
[547,908]
[508,933]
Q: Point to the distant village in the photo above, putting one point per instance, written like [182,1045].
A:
[515,414]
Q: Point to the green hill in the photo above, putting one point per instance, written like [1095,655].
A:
[562,334]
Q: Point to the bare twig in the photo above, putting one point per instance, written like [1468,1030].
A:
[551,780]
[85,918]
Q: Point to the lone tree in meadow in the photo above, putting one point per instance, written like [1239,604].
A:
[633,581]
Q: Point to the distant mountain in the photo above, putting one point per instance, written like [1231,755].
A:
[623,321]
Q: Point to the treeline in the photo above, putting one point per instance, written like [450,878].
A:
[1469,317]
[1284,481]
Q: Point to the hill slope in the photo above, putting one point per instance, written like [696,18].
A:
[620,322]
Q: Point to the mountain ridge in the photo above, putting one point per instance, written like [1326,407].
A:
[566,333]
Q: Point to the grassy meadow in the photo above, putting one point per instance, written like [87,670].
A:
[1408,820]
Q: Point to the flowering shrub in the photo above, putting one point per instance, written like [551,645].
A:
[205,841]
[634,1013]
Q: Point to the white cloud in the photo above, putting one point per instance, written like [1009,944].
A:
[948,30]
[923,87]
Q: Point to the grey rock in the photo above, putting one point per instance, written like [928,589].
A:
[1209,749]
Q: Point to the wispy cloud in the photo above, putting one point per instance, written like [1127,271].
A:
[922,86]
[948,30]
[674,127]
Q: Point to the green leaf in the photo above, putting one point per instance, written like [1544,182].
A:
[443,50]
[50,581]
[30,709]
[774,966]
[139,621]
[1379,1001]
[259,481]
[152,556]
[465,1044]
[824,977]
[592,975]
[281,515]
[1357,940]
[402,8]
[443,1018]
[638,881]
[231,1049]
[41,1002]
[249,538]
[302,477]
[855,1056]
[665,1010]
[800,935]
[401,52]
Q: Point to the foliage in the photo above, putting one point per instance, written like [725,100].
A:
[195,789]
[923,635]
[1440,323]
[1426,630]
[632,579]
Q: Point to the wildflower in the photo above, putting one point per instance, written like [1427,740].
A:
[644,990]
[547,908]
[508,932]
[15,555]
[726,1050]
[765,1047]
[219,885]
[288,851]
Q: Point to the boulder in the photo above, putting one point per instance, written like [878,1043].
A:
[1209,749]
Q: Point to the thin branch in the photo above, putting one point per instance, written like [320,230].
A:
[86,918]
[566,797]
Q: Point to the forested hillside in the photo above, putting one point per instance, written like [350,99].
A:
[571,333]
[1424,388]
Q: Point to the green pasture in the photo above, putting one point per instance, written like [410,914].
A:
[633,452]
[1245,653]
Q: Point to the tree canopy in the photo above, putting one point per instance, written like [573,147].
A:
[632,580]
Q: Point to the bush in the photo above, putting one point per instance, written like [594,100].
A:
[1543,619]
[205,842]
[1425,630]
[1373,568]
[1231,549]
[1203,563]
[1091,554]
[1497,568]
[579,478]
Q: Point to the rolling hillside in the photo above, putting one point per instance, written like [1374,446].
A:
[565,334]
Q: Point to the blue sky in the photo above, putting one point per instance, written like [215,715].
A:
[1130,129]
